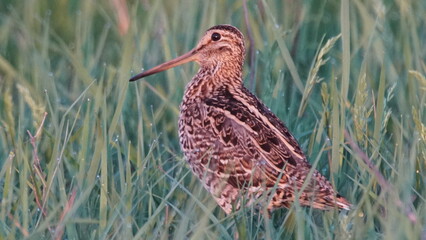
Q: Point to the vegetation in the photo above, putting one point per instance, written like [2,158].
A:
[85,154]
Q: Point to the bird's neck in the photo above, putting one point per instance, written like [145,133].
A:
[210,78]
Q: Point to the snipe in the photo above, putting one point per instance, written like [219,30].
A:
[232,141]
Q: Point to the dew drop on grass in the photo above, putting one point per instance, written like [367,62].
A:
[142,69]
[88,99]
[45,90]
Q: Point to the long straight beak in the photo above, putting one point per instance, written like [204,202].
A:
[187,57]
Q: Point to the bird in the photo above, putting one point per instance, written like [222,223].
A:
[240,150]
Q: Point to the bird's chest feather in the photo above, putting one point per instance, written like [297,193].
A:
[195,133]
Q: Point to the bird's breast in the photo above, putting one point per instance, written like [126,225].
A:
[191,129]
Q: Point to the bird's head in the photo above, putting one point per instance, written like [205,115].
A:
[220,45]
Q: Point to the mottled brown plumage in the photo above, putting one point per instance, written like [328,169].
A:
[232,141]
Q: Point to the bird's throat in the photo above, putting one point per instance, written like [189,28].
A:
[209,79]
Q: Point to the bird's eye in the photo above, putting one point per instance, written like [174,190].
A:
[216,36]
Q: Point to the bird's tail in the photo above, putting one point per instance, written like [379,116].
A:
[320,194]
[342,203]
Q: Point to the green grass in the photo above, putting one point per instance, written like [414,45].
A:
[106,163]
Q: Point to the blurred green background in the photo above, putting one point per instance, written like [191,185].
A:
[105,162]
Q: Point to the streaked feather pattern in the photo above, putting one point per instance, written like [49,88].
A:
[232,141]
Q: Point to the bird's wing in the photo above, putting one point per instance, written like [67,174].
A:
[262,141]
